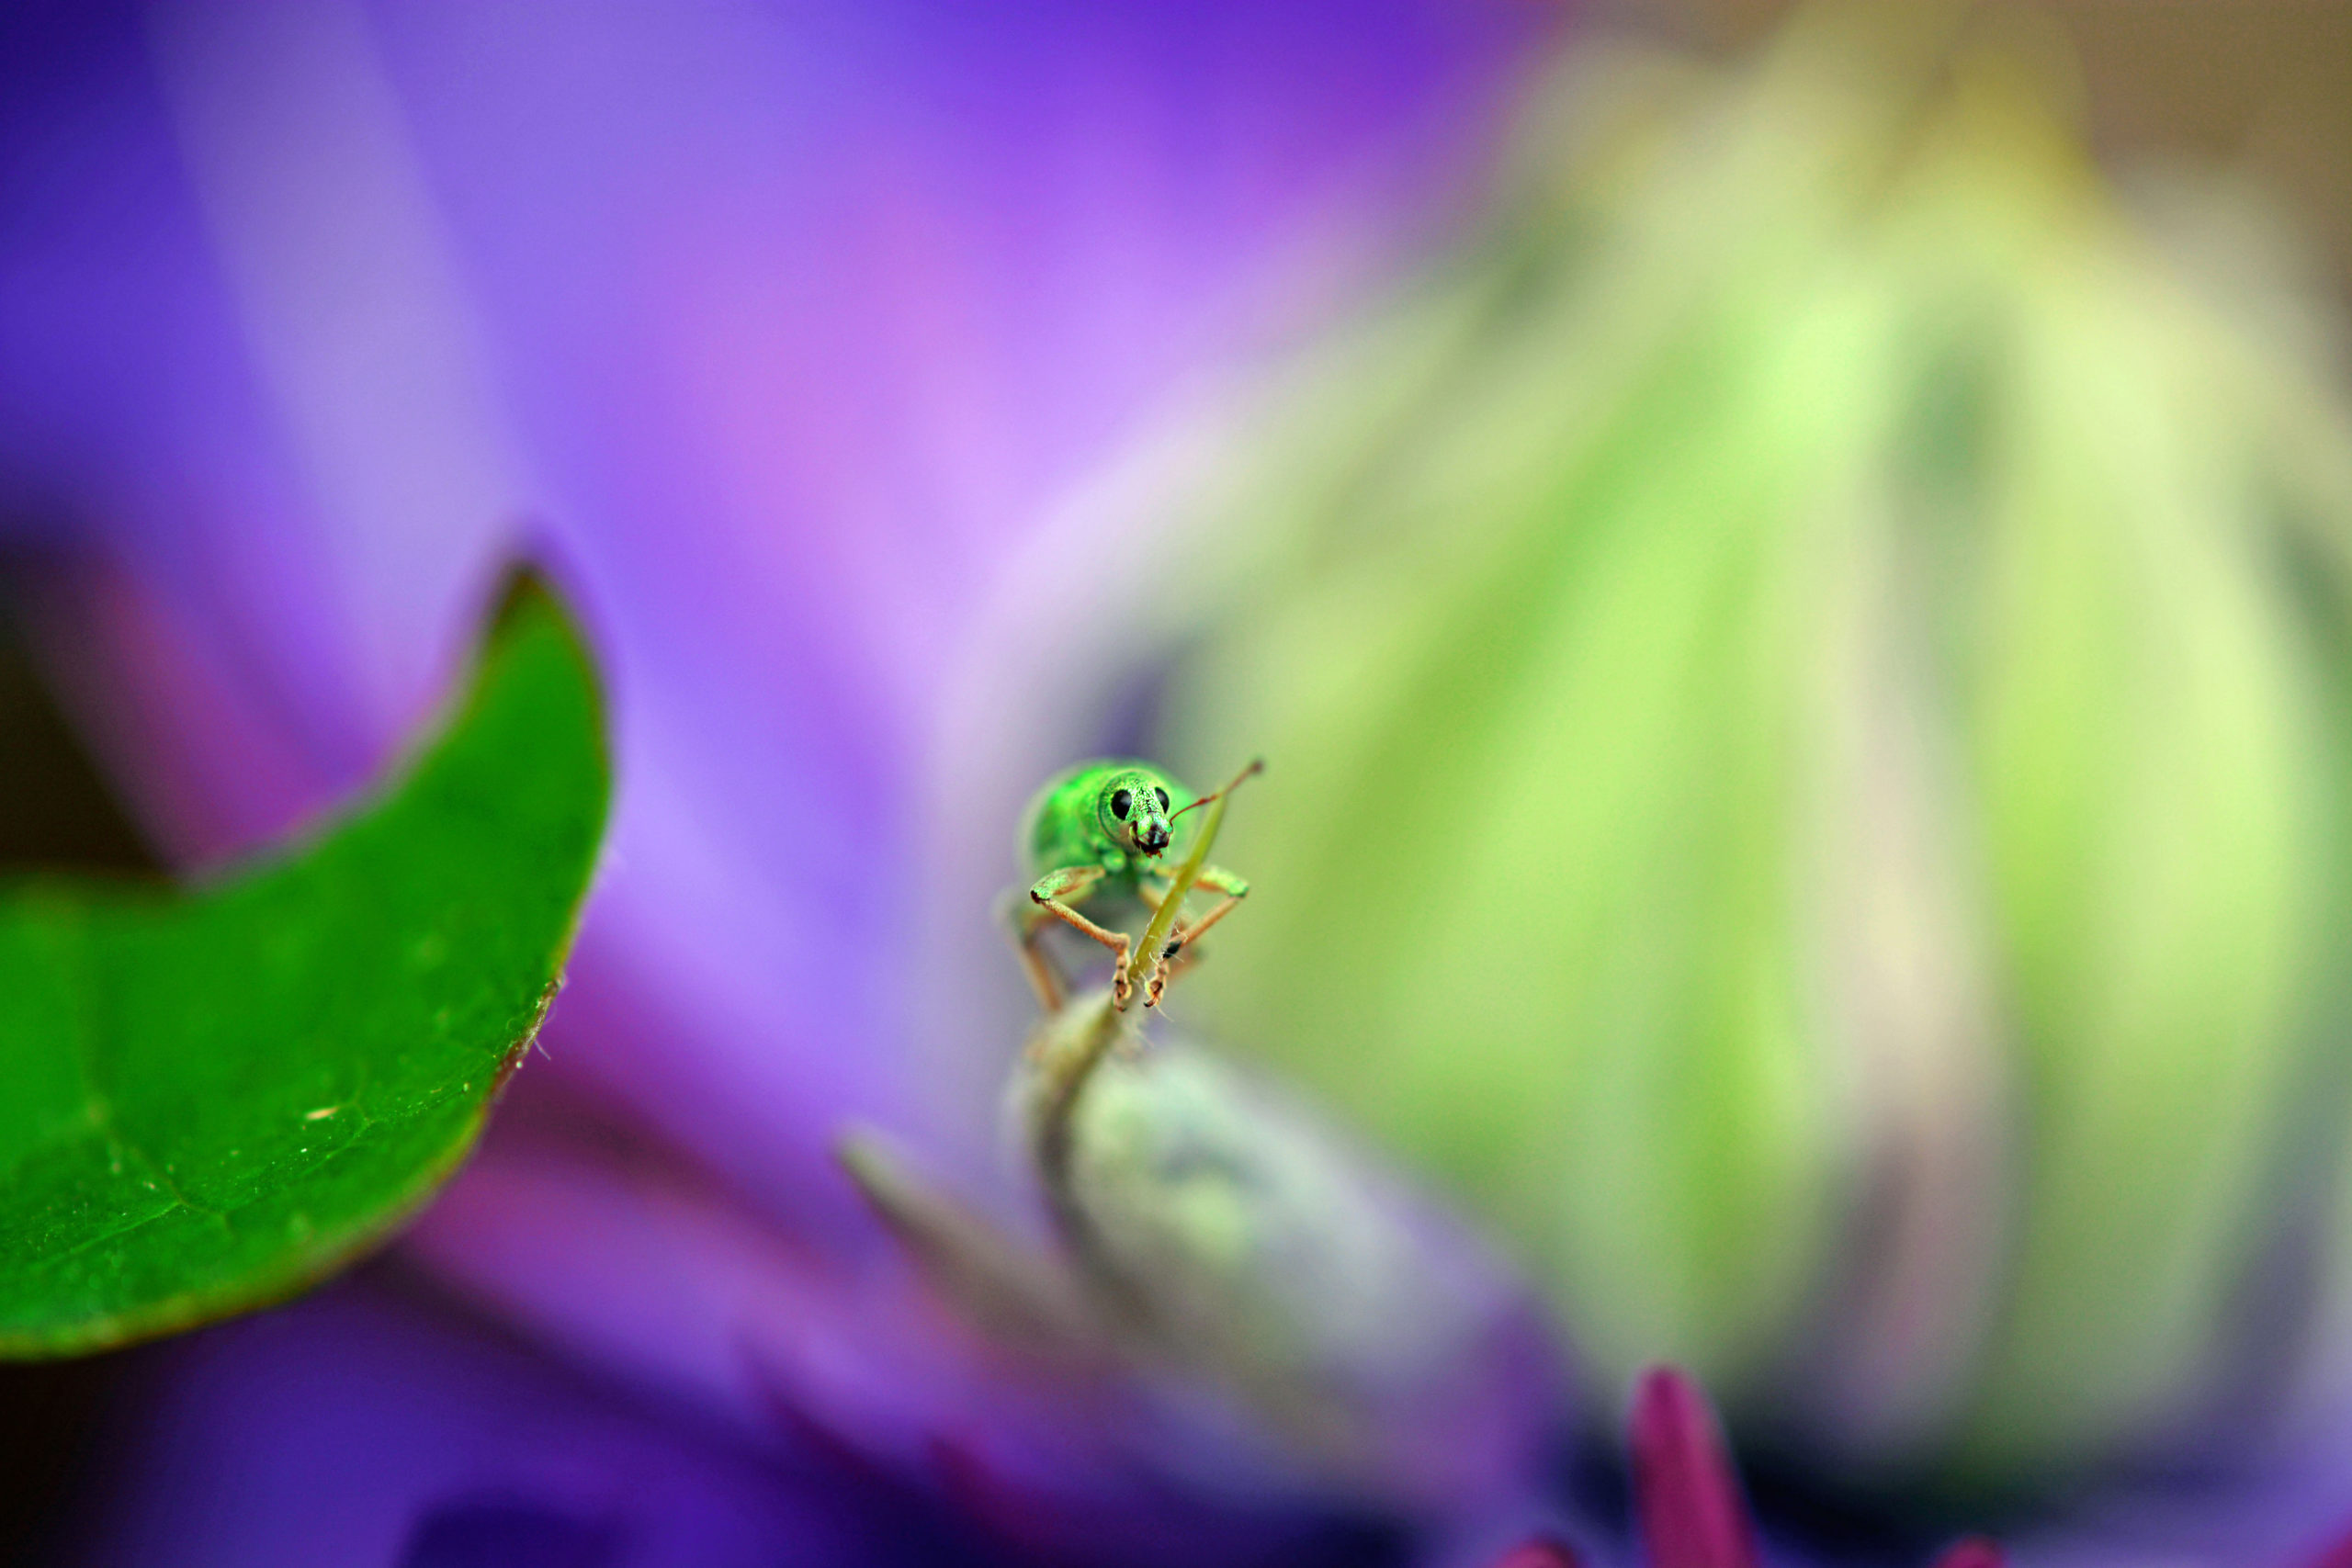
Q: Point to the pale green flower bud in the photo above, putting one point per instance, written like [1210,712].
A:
[1215,1251]
[1805,688]
[1220,1223]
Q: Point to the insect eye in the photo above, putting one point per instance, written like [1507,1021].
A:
[1120,803]
[1163,795]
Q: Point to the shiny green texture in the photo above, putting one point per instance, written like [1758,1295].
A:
[1071,823]
[211,1101]
[1805,678]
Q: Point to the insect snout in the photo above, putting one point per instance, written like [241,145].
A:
[1152,838]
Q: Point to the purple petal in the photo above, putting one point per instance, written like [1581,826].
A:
[1686,1494]
[2338,1555]
[1972,1551]
[1542,1551]
[2272,1500]
[710,1304]
[782,328]
[362,1428]
[786,324]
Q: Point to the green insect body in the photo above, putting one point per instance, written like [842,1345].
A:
[1103,827]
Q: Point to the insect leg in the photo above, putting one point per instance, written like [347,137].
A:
[1047,899]
[1216,879]
[1022,916]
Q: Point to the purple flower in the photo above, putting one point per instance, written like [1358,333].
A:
[802,345]
[783,336]
[359,1429]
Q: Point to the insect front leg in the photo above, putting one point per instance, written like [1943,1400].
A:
[1051,897]
[1022,916]
[1216,879]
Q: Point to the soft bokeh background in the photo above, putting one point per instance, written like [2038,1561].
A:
[1793,585]
[1814,689]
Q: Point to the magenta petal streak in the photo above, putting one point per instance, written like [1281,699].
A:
[1689,1499]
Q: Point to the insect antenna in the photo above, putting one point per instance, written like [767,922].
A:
[1256,765]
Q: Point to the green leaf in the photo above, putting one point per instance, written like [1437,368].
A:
[211,1101]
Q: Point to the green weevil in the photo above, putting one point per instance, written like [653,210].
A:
[1101,827]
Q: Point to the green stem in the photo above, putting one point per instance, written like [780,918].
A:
[1163,920]
[1069,1045]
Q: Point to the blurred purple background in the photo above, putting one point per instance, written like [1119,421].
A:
[787,337]
[774,331]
